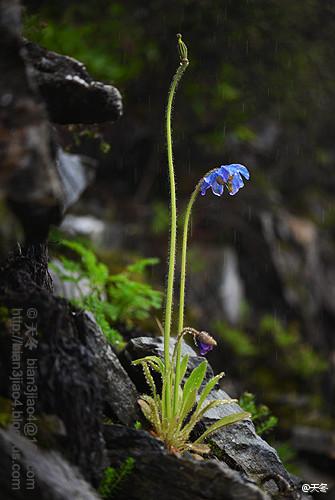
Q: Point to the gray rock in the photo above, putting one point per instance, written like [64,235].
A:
[159,474]
[121,394]
[218,293]
[267,134]
[87,226]
[68,289]
[36,473]
[71,94]
[76,173]
[231,289]
[314,441]
[293,243]
[79,377]
[109,235]
[242,449]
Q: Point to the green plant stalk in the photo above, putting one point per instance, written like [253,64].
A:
[182,291]
[182,286]
[173,235]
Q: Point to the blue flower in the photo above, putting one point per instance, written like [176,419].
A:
[226,175]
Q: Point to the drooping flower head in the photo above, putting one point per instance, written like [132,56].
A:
[205,342]
[226,175]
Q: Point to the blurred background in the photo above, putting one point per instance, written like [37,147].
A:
[260,90]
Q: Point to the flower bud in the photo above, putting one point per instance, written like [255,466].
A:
[205,342]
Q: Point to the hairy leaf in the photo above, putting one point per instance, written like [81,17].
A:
[195,379]
[209,386]
[183,366]
[154,359]
[229,419]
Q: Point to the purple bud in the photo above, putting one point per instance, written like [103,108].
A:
[204,348]
[205,342]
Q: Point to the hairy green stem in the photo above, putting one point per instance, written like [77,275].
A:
[184,257]
[182,285]
[173,235]
[182,290]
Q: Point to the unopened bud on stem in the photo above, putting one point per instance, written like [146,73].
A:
[182,49]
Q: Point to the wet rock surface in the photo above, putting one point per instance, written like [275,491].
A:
[242,449]
[70,93]
[76,173]
[218,292]
[86,226]
[158,473]
[121,394]
[53,478]
[79,377]
[315,441]
[69,290]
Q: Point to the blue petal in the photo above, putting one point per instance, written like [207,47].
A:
[204,348]
[210,178]
[217,188]
[241,169]
[236,184]
[203,188]
[231,169]
[224,173]
[207,182]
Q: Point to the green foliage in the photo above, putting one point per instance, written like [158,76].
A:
[131,299]
[298,357]
[114,478]
[114,298]
[161,218]
[238,340]
[270,352]
[92,134]
[4,314]
[80,34]
[282,337]
[88,267]
[175,428]
[260,414]
[196,260]
[287,455]
[5,412]
[101,309]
